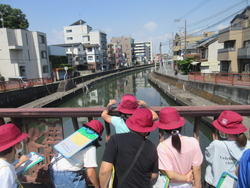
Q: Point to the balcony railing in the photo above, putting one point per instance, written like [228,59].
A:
[226,50]
[244,53]
[45,127]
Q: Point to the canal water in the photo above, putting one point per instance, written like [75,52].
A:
[135,83]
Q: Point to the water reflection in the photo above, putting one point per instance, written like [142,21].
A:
[133,83]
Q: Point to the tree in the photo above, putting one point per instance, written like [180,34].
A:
[12,18]
[185,65]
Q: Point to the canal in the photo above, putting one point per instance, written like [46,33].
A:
[135,83]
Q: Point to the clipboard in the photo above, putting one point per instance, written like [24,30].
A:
[75,142]
[34,158]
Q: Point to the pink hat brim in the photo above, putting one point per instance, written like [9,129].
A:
[235,130]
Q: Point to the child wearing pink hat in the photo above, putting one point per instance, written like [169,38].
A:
[178,154]
[222,154]
[69,172]
[10,144]
[126,107]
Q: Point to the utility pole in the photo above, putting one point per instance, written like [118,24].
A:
[160,56]
[185,39]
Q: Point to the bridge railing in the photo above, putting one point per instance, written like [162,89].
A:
[45,127]
[242,79]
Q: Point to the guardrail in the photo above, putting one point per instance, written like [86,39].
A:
[18,84]
[45,127]
[242,79]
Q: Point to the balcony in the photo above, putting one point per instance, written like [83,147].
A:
[244,53]
[48,124]
[16,47]
[230,29]
[224,54]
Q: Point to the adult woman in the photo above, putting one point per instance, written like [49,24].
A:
[126,107]
[178,154]
[68,172]
[221,155]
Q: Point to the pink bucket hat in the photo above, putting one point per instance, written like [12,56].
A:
[141,121]
[97,126]
[10,135]
[230,122]
[128,104]
[169,119]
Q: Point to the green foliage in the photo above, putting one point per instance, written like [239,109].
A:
[13,18]
[185,65]
[2,78]
[59,61]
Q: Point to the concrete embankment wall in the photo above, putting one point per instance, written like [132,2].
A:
[220,94]
[17,98]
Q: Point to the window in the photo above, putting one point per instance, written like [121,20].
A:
[69,31]
[203,53]
[90,49]
[247,44]
[41,39]
[97,57]
[90,57]
[43,54]
[229,44]
[45,69]
[69,38]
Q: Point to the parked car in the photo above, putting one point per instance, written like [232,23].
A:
[21,79]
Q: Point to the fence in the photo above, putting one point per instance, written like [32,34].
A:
[242,79]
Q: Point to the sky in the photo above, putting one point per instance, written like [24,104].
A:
[143,20]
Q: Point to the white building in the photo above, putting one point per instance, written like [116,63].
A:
[79,32]
[143,52]
[23,53]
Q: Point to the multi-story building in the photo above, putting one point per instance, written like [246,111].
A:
[180,44]
[143,52]
[127,46]
[79,32]
[23,53]
[235,56]
[208,54]
[111,55]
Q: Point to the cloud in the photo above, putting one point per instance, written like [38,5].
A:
[55,37]
[221,26]
[150,26]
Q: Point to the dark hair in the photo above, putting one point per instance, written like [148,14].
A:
[176,141]
[241,140]
[5,152]
[124,116]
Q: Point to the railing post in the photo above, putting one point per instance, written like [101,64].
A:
[232,79]
[216,78]
[197,122]
[107,128]
[75,123]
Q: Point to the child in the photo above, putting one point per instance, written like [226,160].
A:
[68,172]
[10,144]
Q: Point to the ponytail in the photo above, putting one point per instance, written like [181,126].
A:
[176,141]
[241,140]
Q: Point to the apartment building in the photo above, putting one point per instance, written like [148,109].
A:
[143,52]
[127,46]
[23,53]
[235,56]
[79,32]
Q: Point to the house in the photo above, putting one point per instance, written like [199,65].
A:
[23,53]
[234,57]
[208,54]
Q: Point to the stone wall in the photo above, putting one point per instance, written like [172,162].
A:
[220,94]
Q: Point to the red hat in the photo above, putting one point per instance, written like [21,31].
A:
[230,122]
[97,126]
[128,104]
[10,135]
[169,119]
[141,121]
